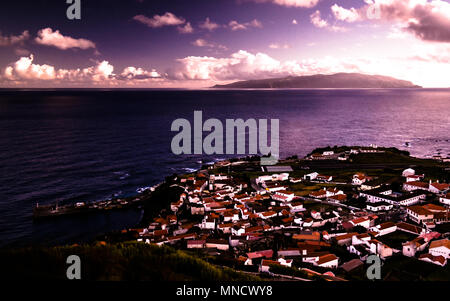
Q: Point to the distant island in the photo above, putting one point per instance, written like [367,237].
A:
[338,80]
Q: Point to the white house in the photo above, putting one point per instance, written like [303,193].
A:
[284,262]
[438,188]
[380,206]
[283,195]
[384,228]
[361,250]
[225,228]
[274,177]
[218,177]
[208,223]
[359,178]
[327,261]
[267,214]
[196,244]
[445,199]
[311,176]
[218,244]
[413,178]
[440,248]
[295,180]
[324,178]
[415,185]
[362,221]
[379,248]
[419,214]
[237,230]
[296,206]
[360,239]
[410,248]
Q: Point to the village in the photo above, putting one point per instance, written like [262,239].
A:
[294,219]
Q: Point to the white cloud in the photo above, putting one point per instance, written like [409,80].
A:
[49,37]
[186,28]
[204,43]
[133,73]
[239,66]
[343,14]
[427,65]
[168,19]
[234,25]
[317,21]
[25,71]
[428,20]
[201,43]
[428,70]
[397,32]
[13,40]
[209,25]
[291,3]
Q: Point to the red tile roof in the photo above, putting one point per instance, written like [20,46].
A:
[326,258]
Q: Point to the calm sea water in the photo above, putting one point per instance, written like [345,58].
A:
[70,146]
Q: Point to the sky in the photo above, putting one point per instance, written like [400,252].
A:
[199,43]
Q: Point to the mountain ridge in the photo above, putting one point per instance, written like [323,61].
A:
[324,81]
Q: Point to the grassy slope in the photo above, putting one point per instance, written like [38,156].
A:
[124,261]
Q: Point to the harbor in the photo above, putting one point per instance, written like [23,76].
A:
[56,210]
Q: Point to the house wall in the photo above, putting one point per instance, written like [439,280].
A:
[330,264]
[440,251]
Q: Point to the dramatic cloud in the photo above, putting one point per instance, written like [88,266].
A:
[26,71]
[291,3]
[427,64]
[427,70]
[241,65]
[168,19]
[317,21]
[13,40]
[186,28]
[133,73]
[209,25]
[427,20]
[234,25]
[343,14]
[49,37]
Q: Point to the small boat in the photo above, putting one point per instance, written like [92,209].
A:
[143,189]
[407,144]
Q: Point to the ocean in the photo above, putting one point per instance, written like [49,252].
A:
[68,146]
